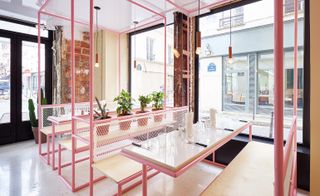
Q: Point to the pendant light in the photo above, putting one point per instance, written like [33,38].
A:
[135,45]
[230,59]
[198,35]
[97,8]
[176,53]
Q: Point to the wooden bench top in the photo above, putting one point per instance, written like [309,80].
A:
[118,167]
[68,144]
[63,128]
[250,173]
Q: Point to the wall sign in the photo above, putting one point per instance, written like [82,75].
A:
[139,67]
[212,67]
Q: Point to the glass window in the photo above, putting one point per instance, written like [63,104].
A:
[235,84]
[244,89]
[30,74]
[147,63]
[4,80]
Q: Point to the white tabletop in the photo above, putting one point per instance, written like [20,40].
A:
[173,152]
[59,119]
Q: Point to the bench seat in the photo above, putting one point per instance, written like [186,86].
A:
[118,167]
[62,128]
[68,144]
[250,173]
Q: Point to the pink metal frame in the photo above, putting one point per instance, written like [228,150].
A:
[72,21]
[278,102]
[282,155]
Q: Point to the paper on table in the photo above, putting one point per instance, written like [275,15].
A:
[213,113]
[188,125]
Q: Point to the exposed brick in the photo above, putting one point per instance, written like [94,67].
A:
[77,57]
[77,50]
[85,45]
[85,58]
[85,51]
[77,43]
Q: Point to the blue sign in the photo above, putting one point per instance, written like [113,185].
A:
[212,67]
[139,67]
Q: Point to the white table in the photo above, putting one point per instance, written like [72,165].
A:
[174,155]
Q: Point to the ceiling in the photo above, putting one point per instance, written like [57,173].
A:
[114,15]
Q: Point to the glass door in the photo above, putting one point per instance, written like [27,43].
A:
[29,75]
[5,74]
[19,82]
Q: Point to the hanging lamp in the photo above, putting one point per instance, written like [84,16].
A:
[198,35]
[230,59]
[135,45]
[97,8]
[176,53]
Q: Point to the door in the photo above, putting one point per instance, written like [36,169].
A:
[6,133]
[19,82]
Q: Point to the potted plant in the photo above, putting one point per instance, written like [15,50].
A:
[124,108]
[103,113]
[144,101]
[157,98]
[34,120]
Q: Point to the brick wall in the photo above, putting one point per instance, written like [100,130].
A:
[82,69]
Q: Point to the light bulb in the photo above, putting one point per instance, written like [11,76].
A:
[176,53]
[97,60]
[230,60]
[198,50]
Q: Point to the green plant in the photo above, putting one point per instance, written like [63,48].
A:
[104,113]
[144,101]
[43,99]
[124,102]
[32,114]
[157,98]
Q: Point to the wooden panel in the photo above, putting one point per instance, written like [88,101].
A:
[250,173]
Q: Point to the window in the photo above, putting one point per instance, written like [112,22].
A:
[147,53]
[150,54]
[244,89]
[289,6]
[236,18]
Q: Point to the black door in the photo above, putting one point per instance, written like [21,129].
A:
[18,81]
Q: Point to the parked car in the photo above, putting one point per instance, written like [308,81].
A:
[4,86]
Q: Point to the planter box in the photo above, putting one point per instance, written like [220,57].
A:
[43,138]
[102,130]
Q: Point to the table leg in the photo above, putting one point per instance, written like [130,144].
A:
[53,145]
[144,179]
[48,149]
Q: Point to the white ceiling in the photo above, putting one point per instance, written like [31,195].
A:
[116,15]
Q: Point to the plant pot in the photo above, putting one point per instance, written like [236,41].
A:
[102,130]
[158,117]
[125,125]
[142,121]
[43,138]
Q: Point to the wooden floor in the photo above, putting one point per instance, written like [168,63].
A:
[23,173]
